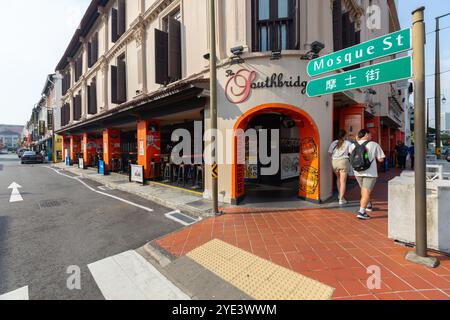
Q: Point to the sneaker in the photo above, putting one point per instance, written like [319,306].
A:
[369,207]
[343,202]
[363,216]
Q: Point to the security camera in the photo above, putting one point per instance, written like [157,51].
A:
[237,51]
[317,46]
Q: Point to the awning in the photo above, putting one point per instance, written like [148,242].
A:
[178,97]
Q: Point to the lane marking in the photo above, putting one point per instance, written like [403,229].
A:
[128,276]
[104,188]
[15,194]
[16,295]
[178,212]
[77,178]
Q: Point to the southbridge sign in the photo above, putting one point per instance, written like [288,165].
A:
[240,84]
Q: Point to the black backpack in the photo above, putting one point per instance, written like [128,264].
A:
[359,158]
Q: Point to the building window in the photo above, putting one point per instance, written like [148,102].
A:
[93,50]
[78,67]
[119,81]
[168,60]
[344,30]
[118,21]
[92,97]
[66,82]
[275,25]
[77,107]
[65,115]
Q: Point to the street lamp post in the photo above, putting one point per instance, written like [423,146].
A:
[444,101]
[213,102]
[437,87]
[420,256]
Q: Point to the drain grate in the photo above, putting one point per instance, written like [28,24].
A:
[48,204]
[181,218]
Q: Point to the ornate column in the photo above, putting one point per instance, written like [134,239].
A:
[105,72]
[140,36]
[84,54]
[84,102]
[71,106]
[104,17]
[72,71]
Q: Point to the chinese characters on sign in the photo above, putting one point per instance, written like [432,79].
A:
[372,75]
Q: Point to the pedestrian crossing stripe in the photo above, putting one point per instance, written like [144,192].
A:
[215,171]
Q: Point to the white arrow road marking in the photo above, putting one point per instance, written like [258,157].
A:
[128,276]
[15,194]
[16,295]
[103,193]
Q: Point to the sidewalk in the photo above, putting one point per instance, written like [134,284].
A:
[174,198]
[327,245]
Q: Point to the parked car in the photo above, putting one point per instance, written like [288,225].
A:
[29,157]
[20,152]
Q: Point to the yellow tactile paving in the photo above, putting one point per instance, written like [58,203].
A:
[259,278]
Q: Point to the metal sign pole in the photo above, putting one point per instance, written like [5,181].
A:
[420,256]
[213,101]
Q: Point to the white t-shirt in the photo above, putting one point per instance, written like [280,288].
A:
[375,153]
[342,152]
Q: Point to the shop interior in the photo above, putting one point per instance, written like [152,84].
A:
[284,185]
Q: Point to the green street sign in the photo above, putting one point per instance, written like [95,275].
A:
[376,48]
[380,73]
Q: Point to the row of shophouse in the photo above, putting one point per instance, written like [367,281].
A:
[136,70]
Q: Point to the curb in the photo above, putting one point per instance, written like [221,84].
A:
[185,208]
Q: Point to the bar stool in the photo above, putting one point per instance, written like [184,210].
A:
[190,175]
[166,175]
[199,177]
[181,178]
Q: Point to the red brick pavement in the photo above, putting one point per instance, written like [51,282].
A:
[330,246]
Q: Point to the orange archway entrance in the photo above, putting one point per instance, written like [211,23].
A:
[309,155]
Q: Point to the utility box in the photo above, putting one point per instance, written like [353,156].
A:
[402,212]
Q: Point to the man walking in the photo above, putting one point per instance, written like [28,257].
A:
[402,153]
[364,156]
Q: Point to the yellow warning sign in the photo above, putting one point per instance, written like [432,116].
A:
[215,171]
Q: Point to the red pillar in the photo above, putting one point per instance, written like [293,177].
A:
[374,126]
[149,146]
[75,148]
[111,145]
[89,148]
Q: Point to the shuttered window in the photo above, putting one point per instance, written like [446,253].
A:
[161,57]
[63,116]
[118,20]
[77,107]
[114,84]
[174,50]
[114,26]
[66,83]
[276,25]
[92,97]
[337,25]
[93,50]
[119,82]
[168,59]
[78,68]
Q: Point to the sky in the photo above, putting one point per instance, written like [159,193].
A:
[34,35]
[37,32]
[433,9]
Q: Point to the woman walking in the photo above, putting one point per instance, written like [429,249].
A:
[339,152]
